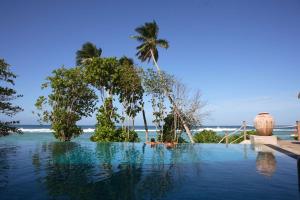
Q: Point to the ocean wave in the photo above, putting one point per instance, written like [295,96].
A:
[48,130]
[91,130]
[143,130]
[284,130]
[88,130]
[218,129]
[36,130]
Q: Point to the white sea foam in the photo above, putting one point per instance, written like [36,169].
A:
[91,130]
[143,130]
[48,130]
[88,130]
[218,129]
[85,130]
[36,130]
[284,130]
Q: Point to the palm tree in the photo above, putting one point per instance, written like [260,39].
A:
[87,51]
[147,50]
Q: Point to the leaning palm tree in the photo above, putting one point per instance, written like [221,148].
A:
[147,50]
[87,51]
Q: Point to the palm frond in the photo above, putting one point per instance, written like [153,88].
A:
[147,36]
[126,61]
[163,43]
[139,38]
[88,50]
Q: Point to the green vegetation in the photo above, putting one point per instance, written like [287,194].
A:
[239,137]
[88,51]
[115,79]
[73,96]
[209,136]
[147,50]
[120,87]
[172,130]
[154,87]
[7,95]
[70,100]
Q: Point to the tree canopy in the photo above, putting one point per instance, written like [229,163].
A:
[87,51]
[70,99]
[114,78]
[7,95]
[148,37]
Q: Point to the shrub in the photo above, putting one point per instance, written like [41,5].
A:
[207,136]
[111,135]
[232,138]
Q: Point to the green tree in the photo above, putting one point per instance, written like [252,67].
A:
[102,74]
[87,51]
[172,129]
[155,85]
[131,95]
[70,99]
[7,95]
[147,50]
[130,88]
[110,76]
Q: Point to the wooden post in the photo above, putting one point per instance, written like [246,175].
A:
[298,129]
[226,138]
[245,134]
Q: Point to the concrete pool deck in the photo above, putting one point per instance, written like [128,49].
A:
[288,147]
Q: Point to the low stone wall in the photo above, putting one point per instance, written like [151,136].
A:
[255,139]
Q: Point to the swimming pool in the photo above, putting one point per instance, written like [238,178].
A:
[40,169]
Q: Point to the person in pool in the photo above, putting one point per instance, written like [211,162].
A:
[152,142]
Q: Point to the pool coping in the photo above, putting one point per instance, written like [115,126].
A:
[284,151]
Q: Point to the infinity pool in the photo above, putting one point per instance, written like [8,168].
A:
[32,169]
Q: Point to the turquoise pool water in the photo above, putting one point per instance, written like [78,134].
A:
[33,167]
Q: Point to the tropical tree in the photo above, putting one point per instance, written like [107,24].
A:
[155,86]
[101,73]
[87,51]
[130,88]
[8,94]
[112,78]
[70,99]
[147,50]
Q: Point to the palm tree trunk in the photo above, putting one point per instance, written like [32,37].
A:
[175,123]
[187,130]
[133,123]
[145,123]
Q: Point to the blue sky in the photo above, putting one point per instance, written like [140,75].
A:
[243,55]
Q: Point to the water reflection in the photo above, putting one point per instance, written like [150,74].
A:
[68,171]
[5,154]
[75,170]
[266,163]
[112,170]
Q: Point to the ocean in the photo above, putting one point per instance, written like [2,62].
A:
[45,131]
